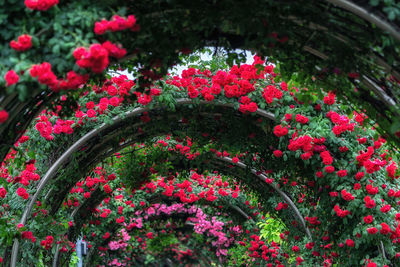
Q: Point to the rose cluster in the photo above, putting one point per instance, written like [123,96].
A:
[117,23]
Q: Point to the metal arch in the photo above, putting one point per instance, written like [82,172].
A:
[361,12]
[254,172]
[238,209]
[280,192]
[65,156]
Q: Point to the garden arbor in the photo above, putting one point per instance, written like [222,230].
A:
[338,197]
[63,120]
[337,44]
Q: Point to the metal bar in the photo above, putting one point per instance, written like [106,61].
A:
[280,192]
[379,92]
[361,12]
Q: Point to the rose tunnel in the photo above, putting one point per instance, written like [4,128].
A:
[291,160]
[335,167]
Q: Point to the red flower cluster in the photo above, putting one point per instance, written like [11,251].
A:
[346,195]
[369,202]
[368,219]
[330,98]
[28,235]
[280,131]
[114,50]
[247,105]
[11,78]
[116,23]
[41,5]
[342,123]
[302,142]
[47,242]
[22,193]
[349,243]
[45,128]
[278,153]
[107,189]
[391,170]
[385,229]
[3,192]
[313,220]
[281,206]
[301,119]
[371,190]
[339,212]
[27,175]
[258,247]
[386,208]
[326,157]
[46,76]
[24,43]
[271,92]
[97,57]
[3,116]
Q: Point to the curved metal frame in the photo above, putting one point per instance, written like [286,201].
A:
[280,192]
[361,12]
[65,156]
[238,209]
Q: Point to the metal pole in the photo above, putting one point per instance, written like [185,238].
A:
[79,251]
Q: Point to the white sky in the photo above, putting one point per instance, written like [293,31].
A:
[177,70]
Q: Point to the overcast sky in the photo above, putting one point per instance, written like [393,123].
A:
[179,68]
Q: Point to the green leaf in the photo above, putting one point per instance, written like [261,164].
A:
[374,2]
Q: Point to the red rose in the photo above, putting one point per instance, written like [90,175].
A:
[386,208]
[329,169]
[301,119]
[359,175]
[91,113]
[385,229]
[330,99]
[280,131]
[3,116]
[342,173]
[368,219]
[3,192]
[349,243]
[295,249]
[278,153]
[11,78]
[369,203]
[107,189]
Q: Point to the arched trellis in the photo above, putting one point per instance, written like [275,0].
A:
[222,167]
[234,209]
[93,151]
[156,199]
[354,18]
[187,227]
[53,169]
